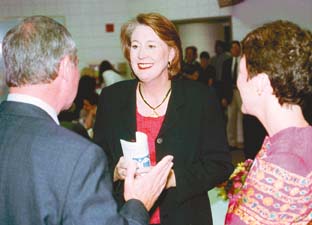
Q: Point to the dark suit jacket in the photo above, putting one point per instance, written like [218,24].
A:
[50,175]
[192,131]
[227,80]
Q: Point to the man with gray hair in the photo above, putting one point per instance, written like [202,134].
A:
[48,174]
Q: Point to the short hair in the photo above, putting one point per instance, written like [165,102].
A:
[283,51]
[236,42]
[221,44]
[105,65]
[205,55]
[193,48]
[86,90]
[33,49]
[165,30]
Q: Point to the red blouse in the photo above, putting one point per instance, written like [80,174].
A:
[150,126]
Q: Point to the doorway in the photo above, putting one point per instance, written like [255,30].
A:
[203,33]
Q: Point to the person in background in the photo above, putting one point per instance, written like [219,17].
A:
[164,109]
[50,175]
[217,62]
[231,99]
[274,79]
[207,72]
[80,116]
[108,75]
[190,67]
[87,100]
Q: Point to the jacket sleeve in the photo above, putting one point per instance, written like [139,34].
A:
[105,132]
[212,165]
[101,128]
[89,197]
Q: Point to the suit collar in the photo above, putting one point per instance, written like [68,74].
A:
[23,98]
[24,110]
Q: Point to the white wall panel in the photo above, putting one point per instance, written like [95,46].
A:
[202,35]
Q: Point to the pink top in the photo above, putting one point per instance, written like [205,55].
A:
[278,188]
[151,126]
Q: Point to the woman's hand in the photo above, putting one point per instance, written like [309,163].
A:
[171,181]
[120,171]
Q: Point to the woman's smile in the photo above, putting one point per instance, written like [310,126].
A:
[144,66]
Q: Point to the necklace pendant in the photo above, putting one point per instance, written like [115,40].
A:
[151,107]
[155,113]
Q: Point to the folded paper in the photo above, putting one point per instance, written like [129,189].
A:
[137,150]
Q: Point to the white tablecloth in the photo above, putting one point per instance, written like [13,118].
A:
[218,207]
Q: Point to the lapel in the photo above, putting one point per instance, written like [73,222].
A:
[127,123]
[175,103]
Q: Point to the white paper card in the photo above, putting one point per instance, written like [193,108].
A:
[138,150]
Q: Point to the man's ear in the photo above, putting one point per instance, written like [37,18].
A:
[64,67]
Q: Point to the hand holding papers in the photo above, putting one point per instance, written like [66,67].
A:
[133,151]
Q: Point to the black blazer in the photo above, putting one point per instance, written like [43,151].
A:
[227,80]
[52,176]
[192,131]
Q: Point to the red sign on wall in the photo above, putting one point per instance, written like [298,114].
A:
[109,27]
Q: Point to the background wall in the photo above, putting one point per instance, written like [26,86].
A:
[252,13]
[86,19]
[202,35]
[245,16]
